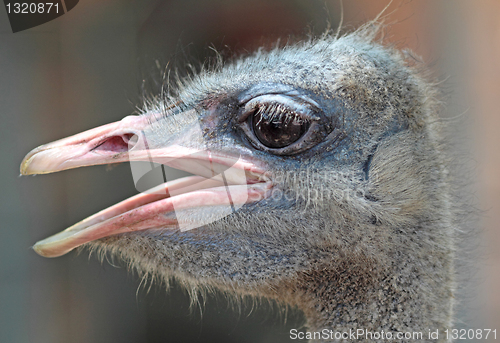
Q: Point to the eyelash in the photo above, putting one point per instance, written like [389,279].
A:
[277,113]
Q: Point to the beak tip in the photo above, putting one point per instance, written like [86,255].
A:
[27,167]
[38,250]
[24,169]
[26,164]
[40,161]
[41,249]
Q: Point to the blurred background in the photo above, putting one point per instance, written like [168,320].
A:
[92,66]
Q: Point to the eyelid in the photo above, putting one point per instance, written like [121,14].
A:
[305,110]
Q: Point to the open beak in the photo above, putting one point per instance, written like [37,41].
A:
[223,181]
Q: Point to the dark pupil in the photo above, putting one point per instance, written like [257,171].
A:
[278,131]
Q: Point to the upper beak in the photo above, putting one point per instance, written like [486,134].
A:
[102,145]
[225,181]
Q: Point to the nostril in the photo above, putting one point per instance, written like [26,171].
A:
[118,143]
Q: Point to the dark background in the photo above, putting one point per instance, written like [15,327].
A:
[91,67]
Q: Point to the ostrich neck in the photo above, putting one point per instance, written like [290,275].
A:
[402,295]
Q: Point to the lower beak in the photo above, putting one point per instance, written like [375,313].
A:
[223,183]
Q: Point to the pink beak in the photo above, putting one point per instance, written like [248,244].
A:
[224,181]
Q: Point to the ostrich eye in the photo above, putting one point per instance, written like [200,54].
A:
[281,124]
[277,127]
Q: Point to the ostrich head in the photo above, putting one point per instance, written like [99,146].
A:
[318,181]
